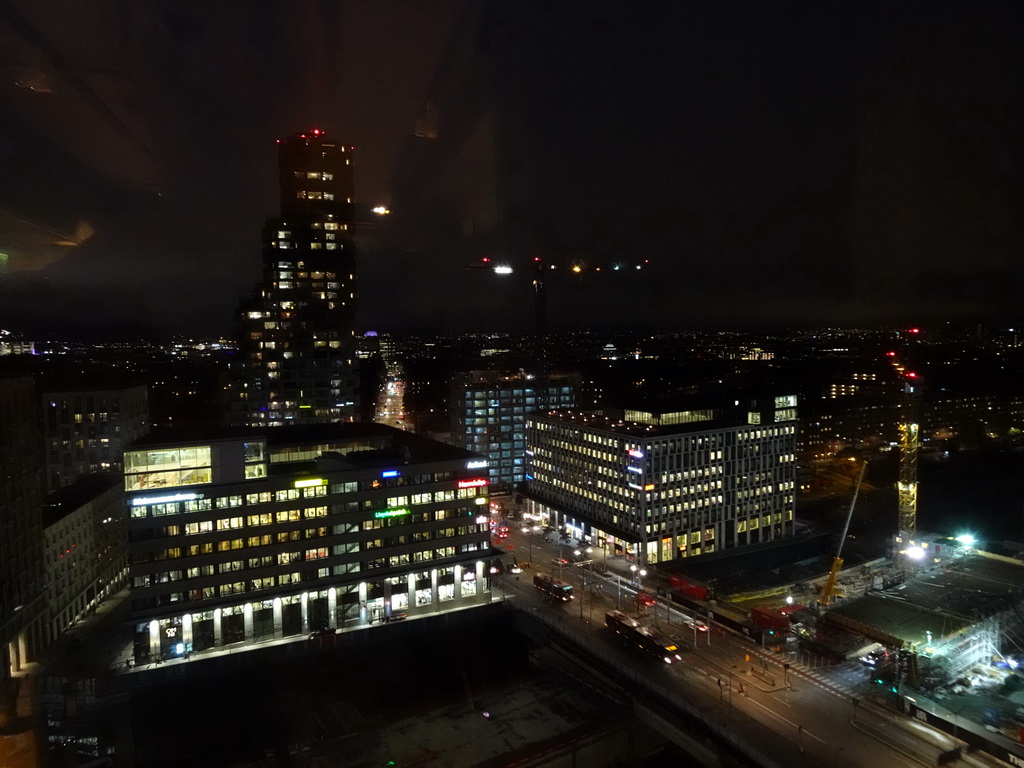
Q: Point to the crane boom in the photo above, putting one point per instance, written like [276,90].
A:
[837,562]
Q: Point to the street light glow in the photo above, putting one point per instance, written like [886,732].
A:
[915,553]
[502,269]
[966,539]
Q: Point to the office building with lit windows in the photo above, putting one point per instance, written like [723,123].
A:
[659,486]
[297,334]
[488,412]
[84,549]
[255,534]
[88,426]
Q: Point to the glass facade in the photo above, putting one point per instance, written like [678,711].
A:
[149,470]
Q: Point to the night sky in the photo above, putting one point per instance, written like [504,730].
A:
[783,163]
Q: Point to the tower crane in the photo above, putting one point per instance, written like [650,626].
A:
[909,431]
[537,268]
[837,561]
[906,485]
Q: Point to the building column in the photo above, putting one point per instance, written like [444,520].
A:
[22,649]
[218,636]
[435,595]
[480,583]
[387,597]
[458,582]
[278,619]
[332,607]
[186,631]
[247,621]
[410,591]
[305,613]
[154,639]
[13,653]
[362,603]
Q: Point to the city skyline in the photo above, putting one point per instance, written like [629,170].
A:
[844,165]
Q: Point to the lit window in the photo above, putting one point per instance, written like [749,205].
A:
[312,175]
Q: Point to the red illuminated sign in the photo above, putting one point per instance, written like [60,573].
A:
[472,483]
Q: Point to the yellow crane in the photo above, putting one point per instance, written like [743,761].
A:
[906,486]
[837,562]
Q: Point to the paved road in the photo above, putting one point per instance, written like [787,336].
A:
[811,714]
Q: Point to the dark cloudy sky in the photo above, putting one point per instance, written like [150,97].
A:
[785,162]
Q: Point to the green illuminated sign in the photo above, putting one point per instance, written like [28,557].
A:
[391,513]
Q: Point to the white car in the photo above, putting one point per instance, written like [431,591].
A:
[692,622]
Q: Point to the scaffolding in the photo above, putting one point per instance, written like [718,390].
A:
[973,646]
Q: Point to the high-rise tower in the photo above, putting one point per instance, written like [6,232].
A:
[296,334]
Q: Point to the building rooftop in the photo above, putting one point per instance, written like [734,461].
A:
[64,501]
[403,445]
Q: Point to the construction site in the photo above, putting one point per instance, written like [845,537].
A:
[935,627]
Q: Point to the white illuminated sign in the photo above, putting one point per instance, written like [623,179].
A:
[140,500]
[476,464]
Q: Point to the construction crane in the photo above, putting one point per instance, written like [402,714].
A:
[906,485]
[837,562]
[537,269]
[909,432]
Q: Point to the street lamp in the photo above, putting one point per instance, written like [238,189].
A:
[583,588]
[529,538]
